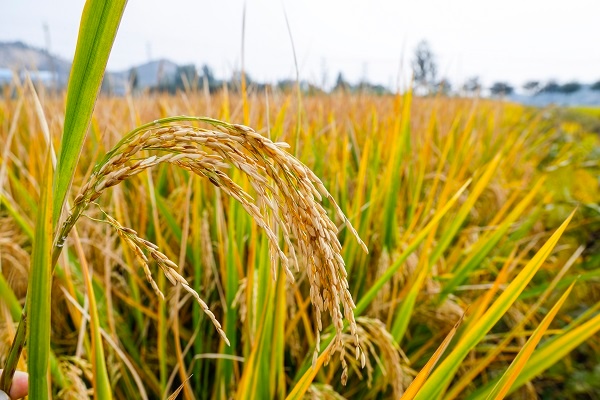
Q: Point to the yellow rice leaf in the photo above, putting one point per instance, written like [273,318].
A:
[511,374]
[303,384]
[419,380]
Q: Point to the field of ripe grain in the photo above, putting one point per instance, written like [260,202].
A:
[481,221]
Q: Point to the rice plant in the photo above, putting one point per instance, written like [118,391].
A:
[196,257]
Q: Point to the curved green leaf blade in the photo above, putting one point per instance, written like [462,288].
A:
[368,297]
[98,28]
[510,375]
[551,352]
[442,376]
[39,292]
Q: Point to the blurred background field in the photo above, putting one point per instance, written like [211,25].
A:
[392,162]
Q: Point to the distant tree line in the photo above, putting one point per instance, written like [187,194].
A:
[534,87]
[531,87]
[342,85]
[426,81]
[188,77]
[424,67]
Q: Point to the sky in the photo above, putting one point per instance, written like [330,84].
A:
[511,40]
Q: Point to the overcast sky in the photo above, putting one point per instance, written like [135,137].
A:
[512,40]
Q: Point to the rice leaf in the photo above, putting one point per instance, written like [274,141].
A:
[510,375]
[97,30]
[306,380]
[442,376]
[420,379]
[550,352]
[40,292]
[374,289]
[102,388]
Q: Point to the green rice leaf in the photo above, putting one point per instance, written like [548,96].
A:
[97,30]
[549,353]
[442,376]
[387,275]
[39,292]
[513,371]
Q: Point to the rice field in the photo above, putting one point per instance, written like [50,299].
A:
[478,216]
[259,244]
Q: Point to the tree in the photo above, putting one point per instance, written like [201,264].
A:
[472,85]
[444,86]
[235,83]
[551,87]
[340,83]
[595,86]
[367,87]
[185,75]
[133,78]
[570,87]
[532,87]
[208,74]
[209,77]
[424,67]
[501,89]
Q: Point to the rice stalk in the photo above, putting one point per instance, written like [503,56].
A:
[379,350]
[287,192]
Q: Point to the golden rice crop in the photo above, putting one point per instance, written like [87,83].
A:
[480,218]
[271,189]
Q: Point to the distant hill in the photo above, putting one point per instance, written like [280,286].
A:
[154,73]
[148,75]
[18,56]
